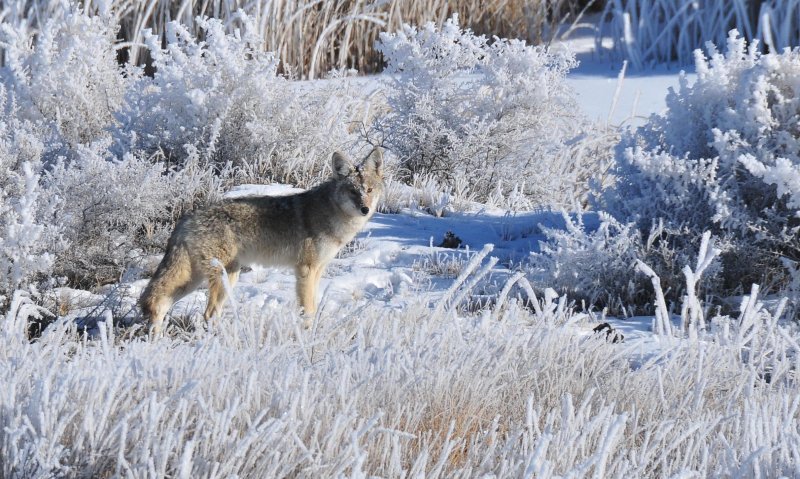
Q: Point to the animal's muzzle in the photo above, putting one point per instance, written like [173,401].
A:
[365,210]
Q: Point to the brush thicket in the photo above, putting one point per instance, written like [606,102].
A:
[313,37]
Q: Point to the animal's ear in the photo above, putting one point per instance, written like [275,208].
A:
[374,161]
[341,164]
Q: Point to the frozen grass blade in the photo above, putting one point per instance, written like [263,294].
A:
[649,32]
[617,91]
[693,318]
[467,270]
[662,325]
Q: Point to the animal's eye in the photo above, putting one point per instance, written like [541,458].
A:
[369,190]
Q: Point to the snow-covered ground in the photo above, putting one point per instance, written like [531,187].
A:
[396,253]
[423,361]
[602,96]
[398,259]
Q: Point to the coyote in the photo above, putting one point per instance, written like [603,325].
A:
[303,230]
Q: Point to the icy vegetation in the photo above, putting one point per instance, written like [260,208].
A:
[222,96]
[651,32]
[724,157]
[456,335]
[591,262]
[112,161]
[485,114]
[311,37]
[401,393]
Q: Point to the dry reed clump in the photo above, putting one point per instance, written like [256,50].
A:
[312,37]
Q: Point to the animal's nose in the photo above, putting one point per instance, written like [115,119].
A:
[364,210]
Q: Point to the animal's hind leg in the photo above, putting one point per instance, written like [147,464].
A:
[233,274]
[216,295]
[216,289]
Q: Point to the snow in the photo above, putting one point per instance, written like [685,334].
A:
[273,189]
[596,79]
[417,364]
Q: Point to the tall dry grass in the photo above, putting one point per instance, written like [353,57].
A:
[313,37]
[649,32]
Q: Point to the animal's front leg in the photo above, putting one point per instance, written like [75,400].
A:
[317,275]
[306,288]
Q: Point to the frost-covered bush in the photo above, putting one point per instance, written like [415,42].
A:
[71,208]
[596,264]
[223,96]
[724,157]
[66,75]
[107,139]
[24,255]
[495,114]
[593,265]
[112,210]
[28,239]
[293,145]
[202,90]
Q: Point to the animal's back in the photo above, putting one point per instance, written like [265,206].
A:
[250,229]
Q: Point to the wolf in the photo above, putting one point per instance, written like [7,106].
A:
[303,231]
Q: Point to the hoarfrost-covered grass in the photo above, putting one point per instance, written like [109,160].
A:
[399,392]
[652,32]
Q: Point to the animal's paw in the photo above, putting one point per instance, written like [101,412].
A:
[308,319]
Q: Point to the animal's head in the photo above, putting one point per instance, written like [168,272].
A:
[360,186]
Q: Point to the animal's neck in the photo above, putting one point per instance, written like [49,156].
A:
[326,193]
